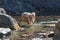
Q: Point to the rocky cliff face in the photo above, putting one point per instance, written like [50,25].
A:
[41,7]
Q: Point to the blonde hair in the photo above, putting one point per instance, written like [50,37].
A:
[33,13]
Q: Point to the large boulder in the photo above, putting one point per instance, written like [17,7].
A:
[7,21]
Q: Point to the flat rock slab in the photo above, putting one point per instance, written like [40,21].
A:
[42,39]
